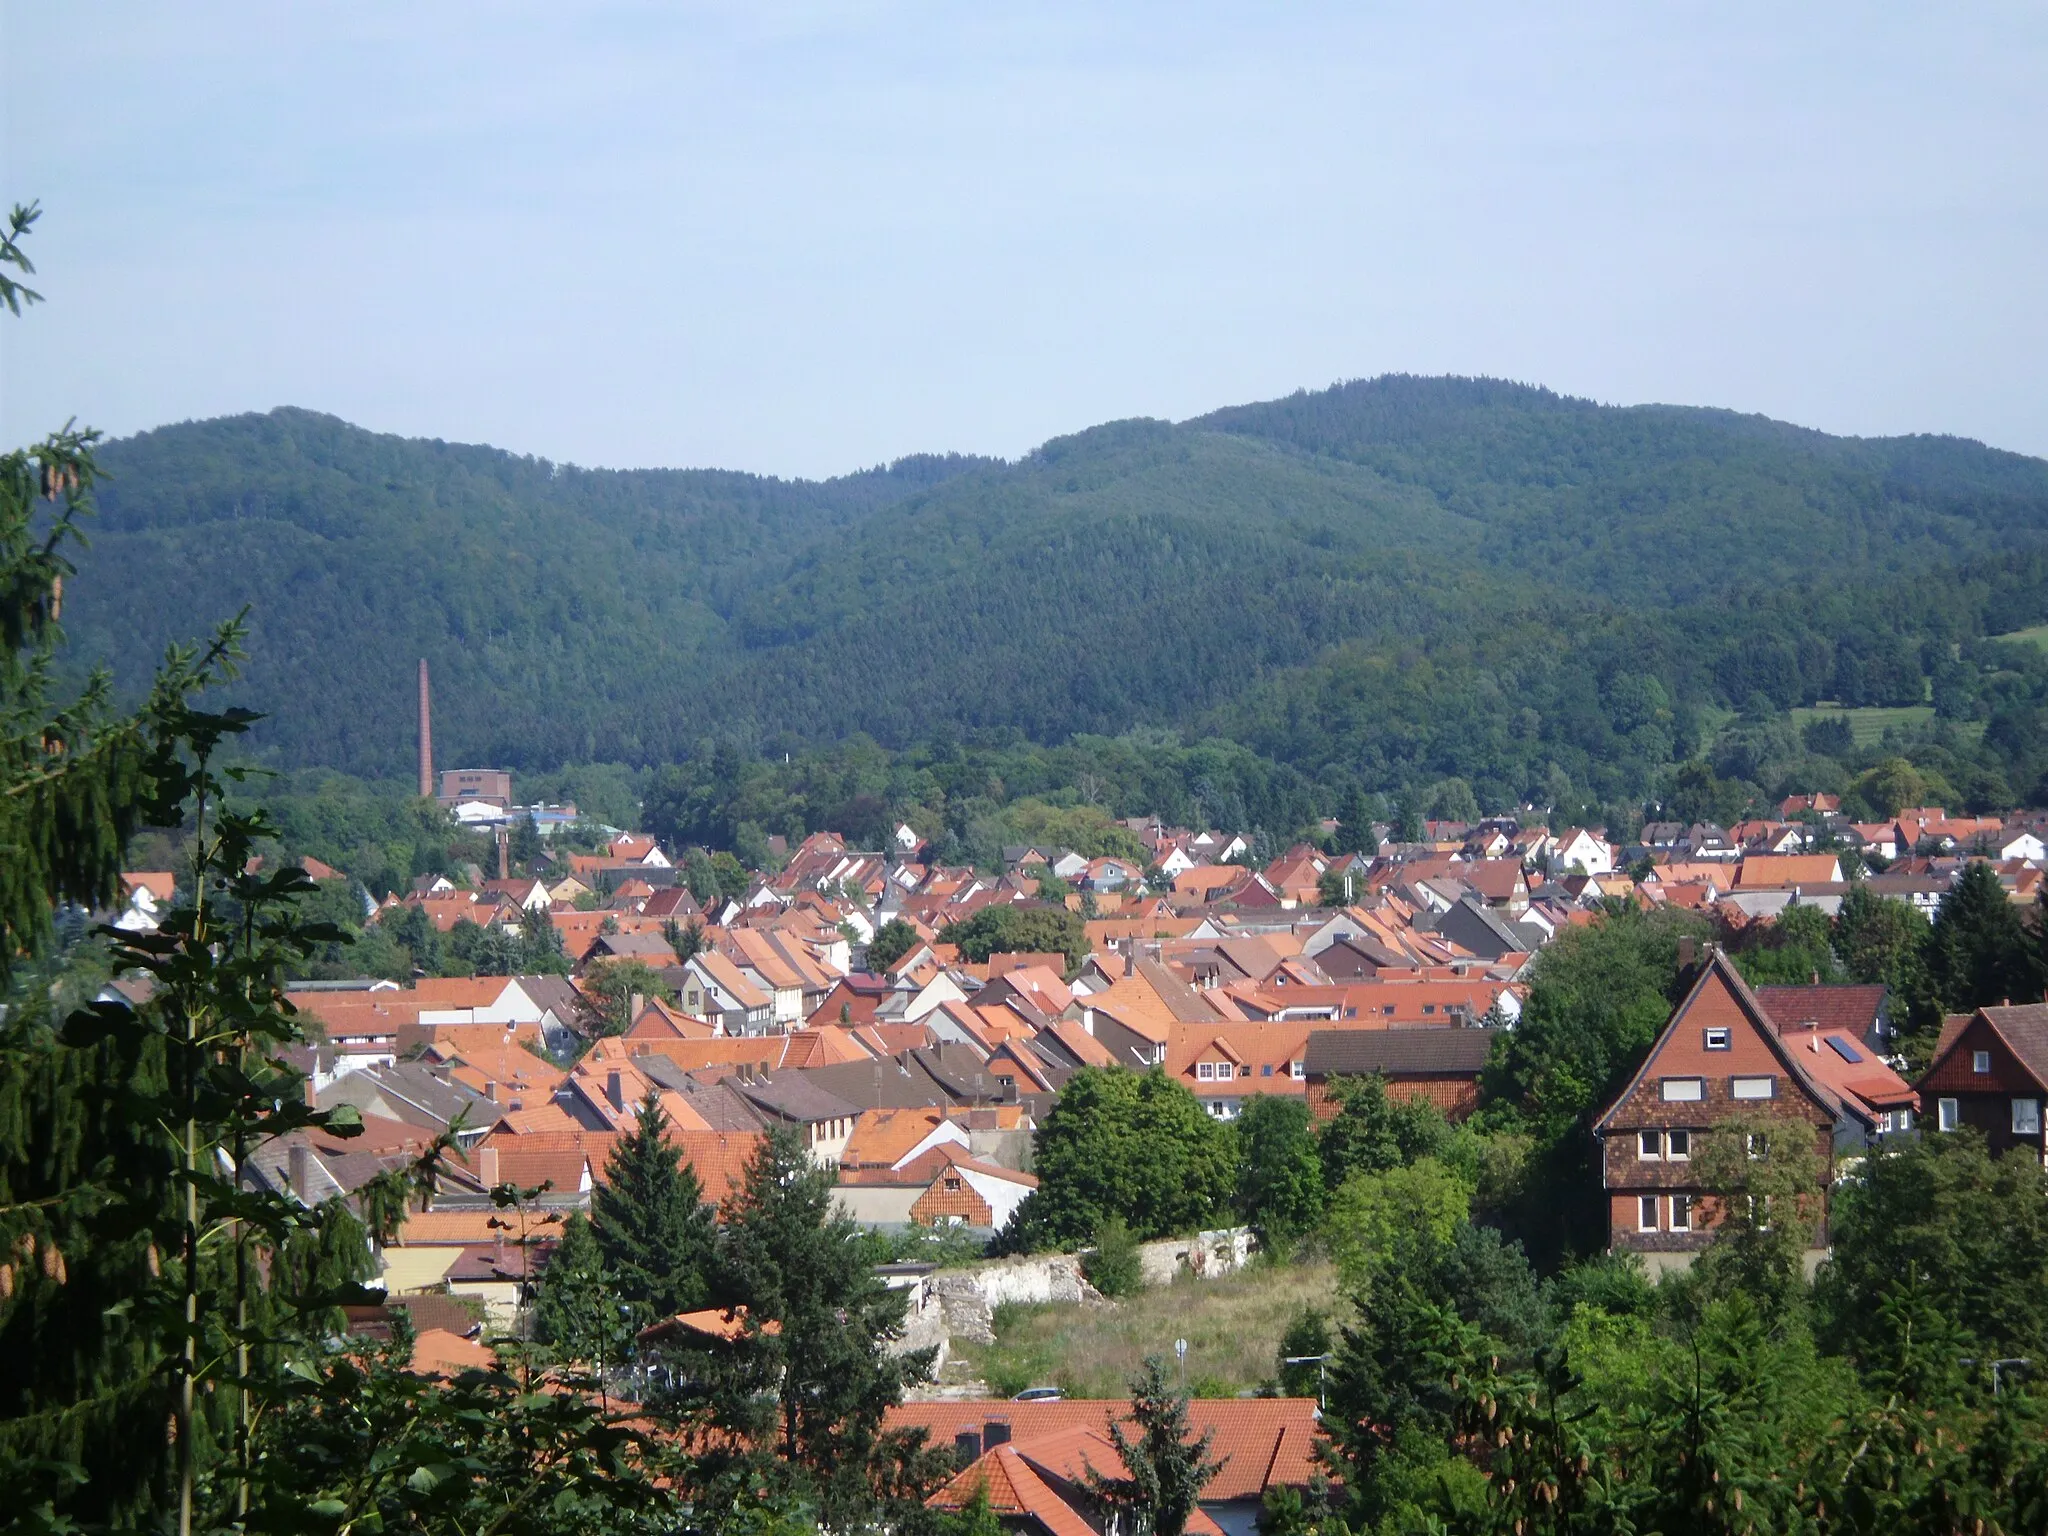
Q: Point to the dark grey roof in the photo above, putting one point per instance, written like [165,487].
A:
[789,1096]
[722,1108]
[413,1092]
[1397,1052]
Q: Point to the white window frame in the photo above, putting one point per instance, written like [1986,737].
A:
[2032,1109]
[1646,1205]
[1698,1085]
[1948,1114]
[1672,1151]
[1681,1213]
[1297,1069]
[1718,1037]
[1745,1088]
[1205,1072]
[1980,1063]
[1650,1146]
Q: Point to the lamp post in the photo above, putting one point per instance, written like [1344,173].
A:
[1321,1363]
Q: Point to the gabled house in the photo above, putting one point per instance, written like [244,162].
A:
[1440,1065]
[1990,1073]
[1719,1058]
[713,988]
[1578,849]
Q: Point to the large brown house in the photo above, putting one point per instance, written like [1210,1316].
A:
[1990,1072]
[1721,1057]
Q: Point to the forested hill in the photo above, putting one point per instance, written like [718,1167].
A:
[1396,579]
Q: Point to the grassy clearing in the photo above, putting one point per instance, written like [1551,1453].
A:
[2036,637]
[1868,726]
[1232,1326]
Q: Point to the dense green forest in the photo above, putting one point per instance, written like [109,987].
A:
[1392,584]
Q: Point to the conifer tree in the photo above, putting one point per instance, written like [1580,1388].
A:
[653,1230]
[1166,1465]
[820,1321]
[576,1308]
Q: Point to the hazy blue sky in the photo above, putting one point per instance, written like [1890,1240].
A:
[804,238]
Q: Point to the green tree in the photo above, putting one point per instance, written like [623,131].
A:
[1354,825]
[1936,1230]
[1880,940]
[1279,1175]
[1405,1217]
[1308,1335]
[819,1325]
[1166,1465]
[541,946]
[1016,927]
[1766,1175]
[611,986]
[1113,1265]
[653,1230]
[1372,1132]
[1978,952]
[1118,1143]
[1794,950]
[576,1306]
[892,941]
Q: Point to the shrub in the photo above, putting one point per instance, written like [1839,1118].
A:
[1113,1266]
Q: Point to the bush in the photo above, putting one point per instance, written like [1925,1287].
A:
[1113,1266]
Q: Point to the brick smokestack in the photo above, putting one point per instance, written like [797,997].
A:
[426,736]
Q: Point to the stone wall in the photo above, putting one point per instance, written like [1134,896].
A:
[966,1299]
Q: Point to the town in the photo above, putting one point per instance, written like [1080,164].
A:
[914,1026]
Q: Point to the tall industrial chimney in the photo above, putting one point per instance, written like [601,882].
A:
[426,736]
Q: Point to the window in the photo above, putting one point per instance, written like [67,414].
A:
[1684,1089]
[1388,1010]
[1752,1087]
[1297,1069]
[2026,1117]
[1678,1146]
[1717,1038]
[1946,1116]
[1205,1072]
[1757,1144]
[1429,1007]
[1681,1213]
[1980,1061]
[1245,1070]
[1646,1213]
[1650,1144]
[1266,1070]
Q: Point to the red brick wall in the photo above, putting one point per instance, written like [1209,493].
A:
[937,1204]
[1457,1097]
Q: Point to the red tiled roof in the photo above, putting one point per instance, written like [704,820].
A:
[1262,1441]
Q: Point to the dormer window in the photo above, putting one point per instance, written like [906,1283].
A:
[1205,1071]
[1297,1069]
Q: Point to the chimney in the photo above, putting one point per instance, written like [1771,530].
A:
[504,853]
[994,1433]
[1685,953]
[487,1166]
[426,736]
[967,1446]
[312,1095]
[634,1003]
[615,1089]
[498,1251]
[301,1170]
[1131,956]
[491,1090]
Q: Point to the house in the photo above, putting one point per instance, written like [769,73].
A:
[713,988]
[1720,1057]
[147,894]
[1440,1065]
[1794,806]
[1031,1460]
[1787,872]
[967,1192]
[1990,1073]
[634,848]
[1579,850]
[1223,1065]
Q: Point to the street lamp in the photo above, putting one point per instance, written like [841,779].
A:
[1321,1363]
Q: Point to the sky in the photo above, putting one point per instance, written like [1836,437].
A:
[802,239]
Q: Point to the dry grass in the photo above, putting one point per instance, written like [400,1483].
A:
[1232,1326]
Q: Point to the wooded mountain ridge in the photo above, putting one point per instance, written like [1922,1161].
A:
[1393,579]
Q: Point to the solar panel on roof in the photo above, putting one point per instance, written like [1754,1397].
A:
[1843,1049]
